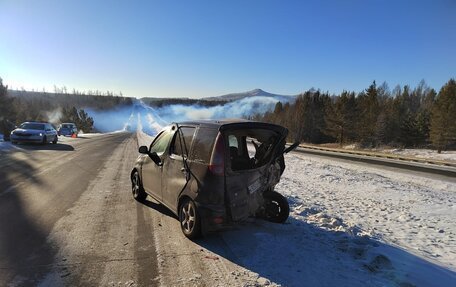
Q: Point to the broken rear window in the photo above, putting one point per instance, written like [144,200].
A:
[250,148]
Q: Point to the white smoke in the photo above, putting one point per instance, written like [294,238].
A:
[153,124]
[151,120]
[54,116]
[236,109]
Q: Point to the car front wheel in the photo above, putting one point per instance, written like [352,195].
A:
[136,188]
[189,219]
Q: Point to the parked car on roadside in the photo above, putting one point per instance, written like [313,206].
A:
[214,173]
[38,132]
[67,129]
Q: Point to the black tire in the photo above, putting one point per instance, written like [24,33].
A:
[189,219]
[276,207]
[137,188]
[44,140]
[14,142]
[55,140]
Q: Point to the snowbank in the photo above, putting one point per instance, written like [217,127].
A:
[396,224]
[418,153]
[424,153]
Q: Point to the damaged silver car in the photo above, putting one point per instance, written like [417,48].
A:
[212,174]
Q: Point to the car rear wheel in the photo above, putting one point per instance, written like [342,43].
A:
[55,140]
[44,140]
[137,189]
[276,207]
[189,219]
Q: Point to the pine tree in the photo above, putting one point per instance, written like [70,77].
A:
[340,117]
[6,111]
[4,101]
[443,117]
[368,112]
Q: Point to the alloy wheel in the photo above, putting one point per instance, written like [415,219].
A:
[188,217]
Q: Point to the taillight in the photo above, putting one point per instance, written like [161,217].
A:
[217,163]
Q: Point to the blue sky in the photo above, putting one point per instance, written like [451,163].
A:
[209,48]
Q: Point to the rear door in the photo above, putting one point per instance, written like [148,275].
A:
[176,167]
[250,168]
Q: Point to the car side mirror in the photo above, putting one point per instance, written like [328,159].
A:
[143,149]
[154,156]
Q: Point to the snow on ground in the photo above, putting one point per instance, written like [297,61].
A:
[419,153]
[65,139]
[352,225]
[409,211]
[424,153]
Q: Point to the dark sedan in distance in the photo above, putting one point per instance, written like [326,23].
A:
[67,129]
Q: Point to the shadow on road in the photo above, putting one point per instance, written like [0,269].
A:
[25,256]
[159,207]
[58,146]
[298,254]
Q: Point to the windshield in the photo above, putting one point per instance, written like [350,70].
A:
[29,126]
[67,126]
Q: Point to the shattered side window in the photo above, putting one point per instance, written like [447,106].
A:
[182,144]
[203,144]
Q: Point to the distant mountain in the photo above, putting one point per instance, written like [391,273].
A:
[252,93]
[214,101]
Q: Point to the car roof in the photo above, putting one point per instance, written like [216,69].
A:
[68,124]
[212,123]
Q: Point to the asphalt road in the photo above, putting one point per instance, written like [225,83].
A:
[67,218]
